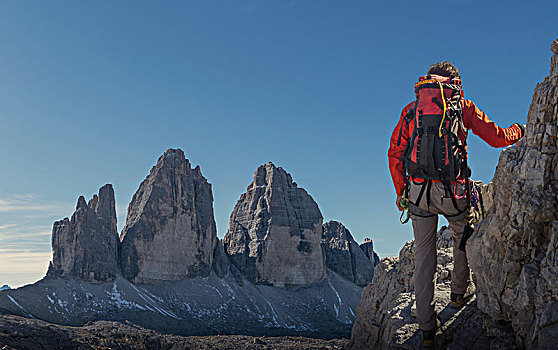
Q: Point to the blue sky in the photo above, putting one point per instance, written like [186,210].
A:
[93,92]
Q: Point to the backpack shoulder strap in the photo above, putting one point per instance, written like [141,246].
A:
[406,120]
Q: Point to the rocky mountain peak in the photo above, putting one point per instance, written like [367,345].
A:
[173,158]
[170,236]
[81,203]
[87,245]
[368,248]
[336,230]
[93,201]
[104,204]
[270,175]
[344,256]
[170,231]
[275,231]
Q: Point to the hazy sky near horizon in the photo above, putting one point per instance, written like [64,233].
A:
[94,92]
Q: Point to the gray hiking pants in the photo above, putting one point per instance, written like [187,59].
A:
[425,222]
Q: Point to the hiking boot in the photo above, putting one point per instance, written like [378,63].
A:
[428,336]
[458,300]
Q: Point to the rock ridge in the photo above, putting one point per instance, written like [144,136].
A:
[87,245]
[344,256]
[170,234]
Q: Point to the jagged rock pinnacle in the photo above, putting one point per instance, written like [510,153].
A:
[170,231]
[344,256]
[87,245]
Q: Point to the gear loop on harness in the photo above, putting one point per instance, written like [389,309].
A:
[407,218]
[404,203]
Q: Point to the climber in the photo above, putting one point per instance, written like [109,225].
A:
[428,165]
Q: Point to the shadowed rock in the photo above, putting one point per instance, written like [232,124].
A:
[170,230]
[87,245]
[344,256]
[368,249]
[21,333]
[275,231]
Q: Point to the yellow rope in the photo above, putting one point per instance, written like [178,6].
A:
[444,101]
[422,82]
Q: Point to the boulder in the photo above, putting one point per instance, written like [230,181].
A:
[344,256]
[385,317]
[170,231]
[275,231]
[87,245]
[513,251]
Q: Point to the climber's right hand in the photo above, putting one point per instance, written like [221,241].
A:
[522,127]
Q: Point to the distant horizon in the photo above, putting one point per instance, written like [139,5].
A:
[93,93]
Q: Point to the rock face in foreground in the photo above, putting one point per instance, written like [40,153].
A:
[170,231]
[385,316]
[275,231]
[87,245]
[513,253]
[344,256]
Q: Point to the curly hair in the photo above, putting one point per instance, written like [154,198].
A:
[445,68]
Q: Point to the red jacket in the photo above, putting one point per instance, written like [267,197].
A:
[473,118]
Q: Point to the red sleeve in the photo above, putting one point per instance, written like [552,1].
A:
[477,121]
[395,151]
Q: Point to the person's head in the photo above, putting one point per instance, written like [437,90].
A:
[445,69]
